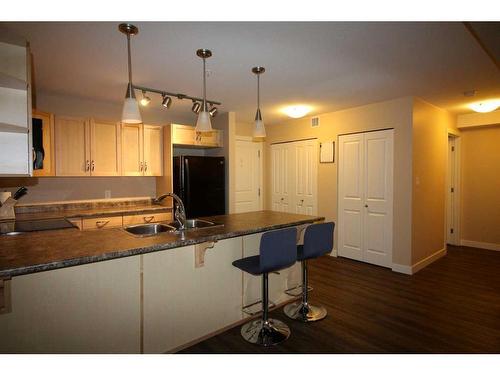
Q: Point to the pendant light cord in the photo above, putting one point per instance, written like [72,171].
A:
[129,60]
[258,91]
[204,87]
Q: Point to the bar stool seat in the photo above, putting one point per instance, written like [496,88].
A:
[318,241]
[278,250]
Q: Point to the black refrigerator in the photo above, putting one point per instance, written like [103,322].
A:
[200,182]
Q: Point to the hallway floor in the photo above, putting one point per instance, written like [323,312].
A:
[451,306]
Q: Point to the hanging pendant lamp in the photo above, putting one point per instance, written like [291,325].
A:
[130,112]
[259,131]
[204,124]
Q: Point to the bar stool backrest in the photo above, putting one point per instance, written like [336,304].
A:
[318,239]
[278,249]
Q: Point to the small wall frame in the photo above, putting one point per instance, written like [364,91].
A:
[327,152]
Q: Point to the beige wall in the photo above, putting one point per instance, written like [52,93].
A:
[244,129]
[395,114]
[430,147]
[480,206]
[59,188]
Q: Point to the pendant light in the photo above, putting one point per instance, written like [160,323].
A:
[130,112]
[259,131]
[203,124]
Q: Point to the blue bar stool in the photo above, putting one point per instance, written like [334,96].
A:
[318,241]
[278,250]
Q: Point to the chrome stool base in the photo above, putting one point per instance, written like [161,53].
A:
[265,333]
[304,312]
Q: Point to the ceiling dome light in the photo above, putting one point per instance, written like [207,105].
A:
[145,99]
[130,111]
[485,106]
[166,101]
[296,111]
[259,131]
[203,123]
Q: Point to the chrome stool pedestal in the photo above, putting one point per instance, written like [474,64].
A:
[302,310]
[265,332]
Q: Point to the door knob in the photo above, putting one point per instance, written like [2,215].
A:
[366,205]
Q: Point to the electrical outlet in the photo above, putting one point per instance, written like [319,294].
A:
[107,194]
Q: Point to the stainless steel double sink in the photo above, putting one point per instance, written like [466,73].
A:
[143,230]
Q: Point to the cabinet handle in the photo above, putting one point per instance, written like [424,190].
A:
[148,219]
[93,166]
[87,166]
[282,199]
[145,166]
[366,206]
[140,166]
[101,223]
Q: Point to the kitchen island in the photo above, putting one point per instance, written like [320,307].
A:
[106,291]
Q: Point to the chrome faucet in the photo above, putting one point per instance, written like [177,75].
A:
[180,212]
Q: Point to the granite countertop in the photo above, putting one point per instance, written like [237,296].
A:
[41,251]
[93,212]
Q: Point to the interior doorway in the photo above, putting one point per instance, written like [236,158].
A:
[248,181]
[453,191]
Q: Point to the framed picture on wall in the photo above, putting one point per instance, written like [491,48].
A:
[327,152]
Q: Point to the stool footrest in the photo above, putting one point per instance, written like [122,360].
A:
[252,312]
[296,291]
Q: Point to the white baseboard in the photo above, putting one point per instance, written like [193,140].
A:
[481,245]
[334,253]
[410,270]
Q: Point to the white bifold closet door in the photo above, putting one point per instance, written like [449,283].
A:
[294,177]
[365,183]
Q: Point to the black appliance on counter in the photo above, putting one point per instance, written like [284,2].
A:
[200,182]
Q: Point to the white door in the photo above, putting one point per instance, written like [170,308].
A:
[366,196]
[248,175]
[294,177]
[305,168]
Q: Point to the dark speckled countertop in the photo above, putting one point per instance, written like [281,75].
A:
[42,251]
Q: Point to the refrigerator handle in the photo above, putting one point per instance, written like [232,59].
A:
[186,178]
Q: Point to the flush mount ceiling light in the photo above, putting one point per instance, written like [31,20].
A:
[485,106]
[204,124]
[131,113]
[259,131]
[296,111]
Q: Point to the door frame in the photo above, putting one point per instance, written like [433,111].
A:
[453,180]
[260,166]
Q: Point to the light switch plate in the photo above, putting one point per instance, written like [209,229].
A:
[107,194]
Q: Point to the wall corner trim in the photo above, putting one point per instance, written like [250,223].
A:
[410,270]
[401,268]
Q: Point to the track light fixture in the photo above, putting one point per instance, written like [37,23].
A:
[166,101]
[196,107]
[145,99]
[131,113]
[213,111]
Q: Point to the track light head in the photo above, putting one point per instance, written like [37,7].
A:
[213,111]
[196,107]
[145,100]
[166,101]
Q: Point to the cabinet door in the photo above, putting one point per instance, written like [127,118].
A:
[153,150]
[132,150]
[43,144]
[93,308]
[105,153]
[183,303]
[209,139]
[183,135]
[72,141]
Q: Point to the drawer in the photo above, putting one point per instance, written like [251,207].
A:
[102,222]
[146,218]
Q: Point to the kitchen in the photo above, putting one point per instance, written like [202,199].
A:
[148,271]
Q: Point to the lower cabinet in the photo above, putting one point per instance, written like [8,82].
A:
[92,308]
[183,303]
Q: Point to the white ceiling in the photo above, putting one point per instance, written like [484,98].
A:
[329,65]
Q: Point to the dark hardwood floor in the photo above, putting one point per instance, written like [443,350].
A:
[451,306]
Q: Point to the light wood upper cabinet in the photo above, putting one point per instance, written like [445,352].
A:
[132,150]
[105,148]
[153,150]
[87,147]
[142,150]
[43,144]
[185,135]
[72,149]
